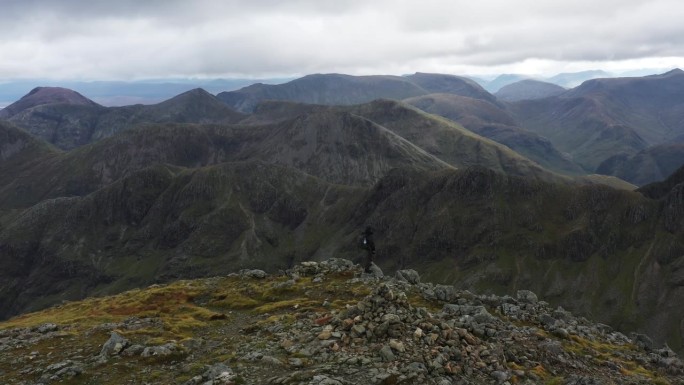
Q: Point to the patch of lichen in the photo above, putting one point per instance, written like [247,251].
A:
[281,293]
[604,352]
[417,300]
[172,304]
[203,309]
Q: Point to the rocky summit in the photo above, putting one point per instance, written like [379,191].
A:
[322,323]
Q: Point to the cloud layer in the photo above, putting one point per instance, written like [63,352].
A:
[128,39]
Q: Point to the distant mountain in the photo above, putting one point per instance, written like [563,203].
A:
[503,80]
[607,117]
[528,89]
[46,95]
[443,139]
[123,93]
[491,121]
[69,123]
[335,146]
[650,165]
[331,89]
[574,79]
[337,89]
[565,80]
[450,84]
[341,148]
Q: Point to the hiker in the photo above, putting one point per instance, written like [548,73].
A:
[368,244]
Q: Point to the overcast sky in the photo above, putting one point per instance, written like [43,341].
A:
[134,39]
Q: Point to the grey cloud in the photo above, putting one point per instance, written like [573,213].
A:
[155,38]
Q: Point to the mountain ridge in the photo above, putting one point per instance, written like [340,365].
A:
[338,89]
[493,122]
[607,117]
[69,126]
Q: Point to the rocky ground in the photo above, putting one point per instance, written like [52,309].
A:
[323,323]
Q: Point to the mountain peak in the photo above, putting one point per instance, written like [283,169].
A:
[54,95]
[46,95]
[527,89]
[675,71]
[196,93]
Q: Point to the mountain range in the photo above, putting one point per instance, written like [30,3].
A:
[605,118]
[564,80]
[469,190]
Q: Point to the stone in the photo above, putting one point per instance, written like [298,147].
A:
[254,273]
[509,309]
[386,353]
[162,350]
[547,321]
[500,376]
[391,318]
[445,293]
[296,362]
[114,345]
[643,341]
[416,367]
[133,350]
[561,333]
[324,380]
[375,271]
[357,331]
[47,328]
[397,345]
[219,373]
[526,296]
[409,275]
[382,329]
[325,334]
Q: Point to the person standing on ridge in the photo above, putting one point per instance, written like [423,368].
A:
[368,244]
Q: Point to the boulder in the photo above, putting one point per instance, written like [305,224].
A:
[114,345]
[254,273]
[526,296]
[409,275]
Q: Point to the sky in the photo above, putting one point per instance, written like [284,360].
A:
[155,39]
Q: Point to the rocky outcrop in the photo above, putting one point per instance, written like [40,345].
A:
[402,332]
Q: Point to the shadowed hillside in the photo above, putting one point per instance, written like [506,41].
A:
[495,123]
[607,117]
[473,228]
[528,89]
[650,165]
[442,138]
[453,85]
